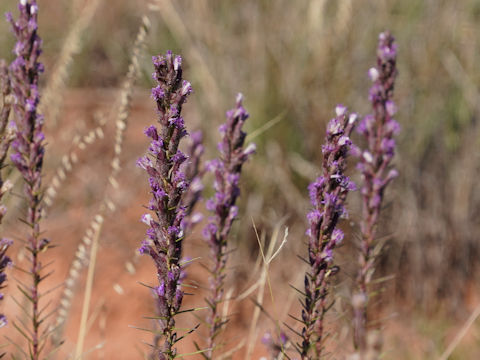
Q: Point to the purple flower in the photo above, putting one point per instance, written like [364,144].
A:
[226,169]
[327,196]
[172,230]
[177,122]
[186,88]
[160,290]
[147,219]
[375,165]
[168,185]
[158,93]
[28,149]
[314,216]
[145,248]
[151,132]
[143,162]
[210,230]
[327,255]
[340,110]
[337,236]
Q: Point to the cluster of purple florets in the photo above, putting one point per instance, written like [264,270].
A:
[24,74]
[226,170]
[168,183]
[378,129]
[329,191]
[328,195]
[28,146]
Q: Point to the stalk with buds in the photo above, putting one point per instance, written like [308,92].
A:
[28,152]
[168,183]
[377,172]
[227,170]
[328,195]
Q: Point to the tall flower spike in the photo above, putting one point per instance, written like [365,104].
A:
[327,195]
[226,170]
[28,150]
[377,172]
[168,183]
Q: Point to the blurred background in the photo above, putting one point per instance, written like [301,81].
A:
[293,61]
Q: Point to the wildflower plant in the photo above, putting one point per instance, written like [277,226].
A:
[328,194]
[168,183]
[28,153]
[378,129]
[227,170]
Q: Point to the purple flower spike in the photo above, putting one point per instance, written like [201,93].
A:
[168,184]
[227,169]
[327,195]
[28,150]
[375,165]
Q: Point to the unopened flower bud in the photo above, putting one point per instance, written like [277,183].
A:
[250,149]
[352,118]
[177,62]
[186,88]
[390,107]
[340,110]
[373,74]
[368,157]
[147,219]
